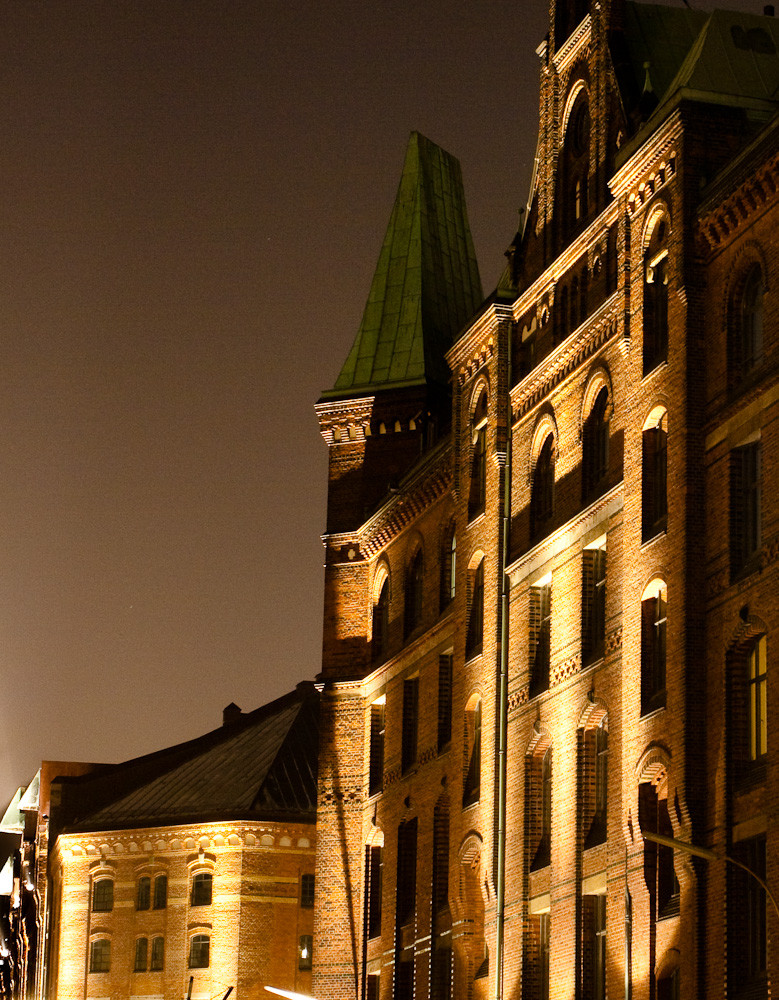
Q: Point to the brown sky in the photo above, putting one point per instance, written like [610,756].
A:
[194,198]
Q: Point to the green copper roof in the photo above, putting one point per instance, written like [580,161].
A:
[726,57]
[426,285]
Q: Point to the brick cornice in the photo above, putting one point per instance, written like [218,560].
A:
[580,345]
[344,413]
[642,175]
[738,208]
[477,345]
[140,842]
[573,46]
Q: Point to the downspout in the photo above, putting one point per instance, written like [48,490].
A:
[503,692]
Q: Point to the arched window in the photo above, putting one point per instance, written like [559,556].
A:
[540,818]
[199,951]
[143,896]
[413,596]
[656,297]
[746,504]
[745,333]
[100,956]
[595,448]
[542,495]
[202,889]
[141,954]
[653,626]
[475,635]
[540,635]
[472,771]
[594,773]
[654,466]
[593,602]
[478,491]
[448,568]
[659,873]
[103,895]
[575,170]
[376,749]
[380,638]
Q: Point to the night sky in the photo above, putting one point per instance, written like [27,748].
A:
[194,199]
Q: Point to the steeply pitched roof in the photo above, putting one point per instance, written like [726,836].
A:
[723,57]
[261,766]
[426,285]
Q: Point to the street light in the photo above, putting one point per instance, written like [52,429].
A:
[708,855]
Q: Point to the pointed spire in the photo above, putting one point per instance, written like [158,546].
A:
[426,285]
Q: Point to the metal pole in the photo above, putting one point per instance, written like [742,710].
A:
[503,693]
[709,855]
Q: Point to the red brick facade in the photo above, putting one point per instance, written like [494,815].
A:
[631,348]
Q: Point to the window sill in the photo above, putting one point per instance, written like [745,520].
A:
[653,709]
[475,516]
[469,803]
[647,538]
[473,654]
[653,367]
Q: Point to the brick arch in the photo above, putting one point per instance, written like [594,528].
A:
[477,556]
[657,581]
[539,742]
[480,386]
[415,543]
[750,253]
[375,837]
[380,574]
[659,210]
[592,714]
[654,416]
[546,424]
[598,377]
[579,85]
[653,765]
[750,628]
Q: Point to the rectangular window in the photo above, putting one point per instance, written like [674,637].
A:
[444,700]
[441,973]
[100,956]
[745,505]
[202,889]
[376,761]
[160,892]
[758,712]
[544,934]
[478,491]
[373,984]
[594,950]
[540,637]
[103,895]
[305,952]
[404,980]
[141,951]
[374,873]
[593,604]
[157,954]
[653,628]
[407,871]
[747,928]
[143,898]
[410,723]
[307,890]
[199,951]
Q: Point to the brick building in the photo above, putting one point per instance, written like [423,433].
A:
[551,549]
[196,861]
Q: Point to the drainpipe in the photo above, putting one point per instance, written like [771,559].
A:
[504,681]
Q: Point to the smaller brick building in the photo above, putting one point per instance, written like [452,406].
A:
[193,862]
